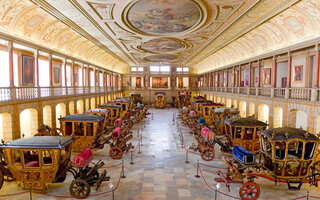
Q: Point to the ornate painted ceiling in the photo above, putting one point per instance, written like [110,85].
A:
[201,34]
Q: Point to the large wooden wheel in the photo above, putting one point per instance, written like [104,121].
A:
[207,154]
[115,153]
[79,189]
[249,191]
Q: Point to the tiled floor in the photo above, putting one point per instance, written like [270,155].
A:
[160,171]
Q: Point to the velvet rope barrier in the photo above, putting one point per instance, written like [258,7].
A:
[215,189]
[8,195]
[92,195]
[314,197]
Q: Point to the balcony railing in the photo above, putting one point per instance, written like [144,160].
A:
[24,93]
[300,94]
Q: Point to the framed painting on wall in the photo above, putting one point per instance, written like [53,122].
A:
[180,82]
[159,82]
[27,70]
[284,82]
[298,73]
[138,82]
[267,76]
[56,67]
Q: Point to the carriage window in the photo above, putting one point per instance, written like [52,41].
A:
[206,110]
[309,150]
[295,150]
[266,145]
[123,106]
[237,133]
[248,133]
[31,158]
[47,157]
[68,128]
[78,129]
[280,148]
[16,156]
[89,129]
[114,111]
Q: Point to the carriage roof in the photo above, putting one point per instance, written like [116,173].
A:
[109,106]
[97,110]
[244,122]
[201,101]
[82,117]
[39,142]
[224,109]
[160,93]
[288,133]
[210,103]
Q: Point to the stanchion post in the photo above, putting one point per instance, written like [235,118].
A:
[30,191]
[139,152]
[141,138]
[307,195]
[187,153]
[112,193]
[216,191]
[123,176]
[197,175]
[131,157]
[181,137]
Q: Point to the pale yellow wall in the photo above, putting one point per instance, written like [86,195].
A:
[29,122]
[47,116]
[60,112]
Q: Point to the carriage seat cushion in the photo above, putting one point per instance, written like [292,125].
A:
[32,164]
[118,122]
[244,156]
[207,133]
[201,121]
[83,158]
[116,132]
[192,113]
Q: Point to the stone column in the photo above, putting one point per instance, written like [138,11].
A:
[11,70]
[289,70]
[50,70]
[274,73]
[36,65]
[316,68]
[259,73]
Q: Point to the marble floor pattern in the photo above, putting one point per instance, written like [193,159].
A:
[160,171]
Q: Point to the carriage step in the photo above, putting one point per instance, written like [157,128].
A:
[292,187]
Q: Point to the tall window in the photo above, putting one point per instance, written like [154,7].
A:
[159,69]
[80,77]
[15,69]
[44,73]
[91,78]
[182,70]
[4,75]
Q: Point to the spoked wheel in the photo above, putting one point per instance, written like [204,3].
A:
[115,153]
[207,154]
[79,189]
[249,191]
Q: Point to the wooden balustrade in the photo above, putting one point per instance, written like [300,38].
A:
[302,94]
[279,92]
[23,93]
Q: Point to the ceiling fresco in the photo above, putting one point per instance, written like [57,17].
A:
[201,34]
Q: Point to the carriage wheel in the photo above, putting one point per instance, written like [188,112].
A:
[115,153]
[249,191]
[207,154]
[79,189]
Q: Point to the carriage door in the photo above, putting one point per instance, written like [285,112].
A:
[248,138]
[237,132]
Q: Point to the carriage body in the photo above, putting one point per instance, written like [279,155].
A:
[183,99]
[160,99]
[36,161]
[85,128]
[136,98]
[220,114]
[244,132]
[207,111]
[114,113]
[125,105]
[100,112]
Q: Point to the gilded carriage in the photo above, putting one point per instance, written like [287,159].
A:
[207,111]
[136,98]
[287,155]
[124,103]
[220,114]
[183,99]
[114,113]
[196,106]
[85,128]
[36,161]
[100,112]
[244,132]
[160,99]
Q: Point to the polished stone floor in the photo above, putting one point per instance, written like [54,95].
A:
[160,171]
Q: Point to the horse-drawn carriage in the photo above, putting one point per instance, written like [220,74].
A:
[220,114]
[183,99]
[207,111]
[88,131]
[160,99]
[124,103]
[38,161]
[135,98]
[287,155]
[244,132]
[114,113]
[100,112]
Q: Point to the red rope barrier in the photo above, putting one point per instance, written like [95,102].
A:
[7,195]
[111,166]
[214,189]
[299,198]
[314,197]
[215,167]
